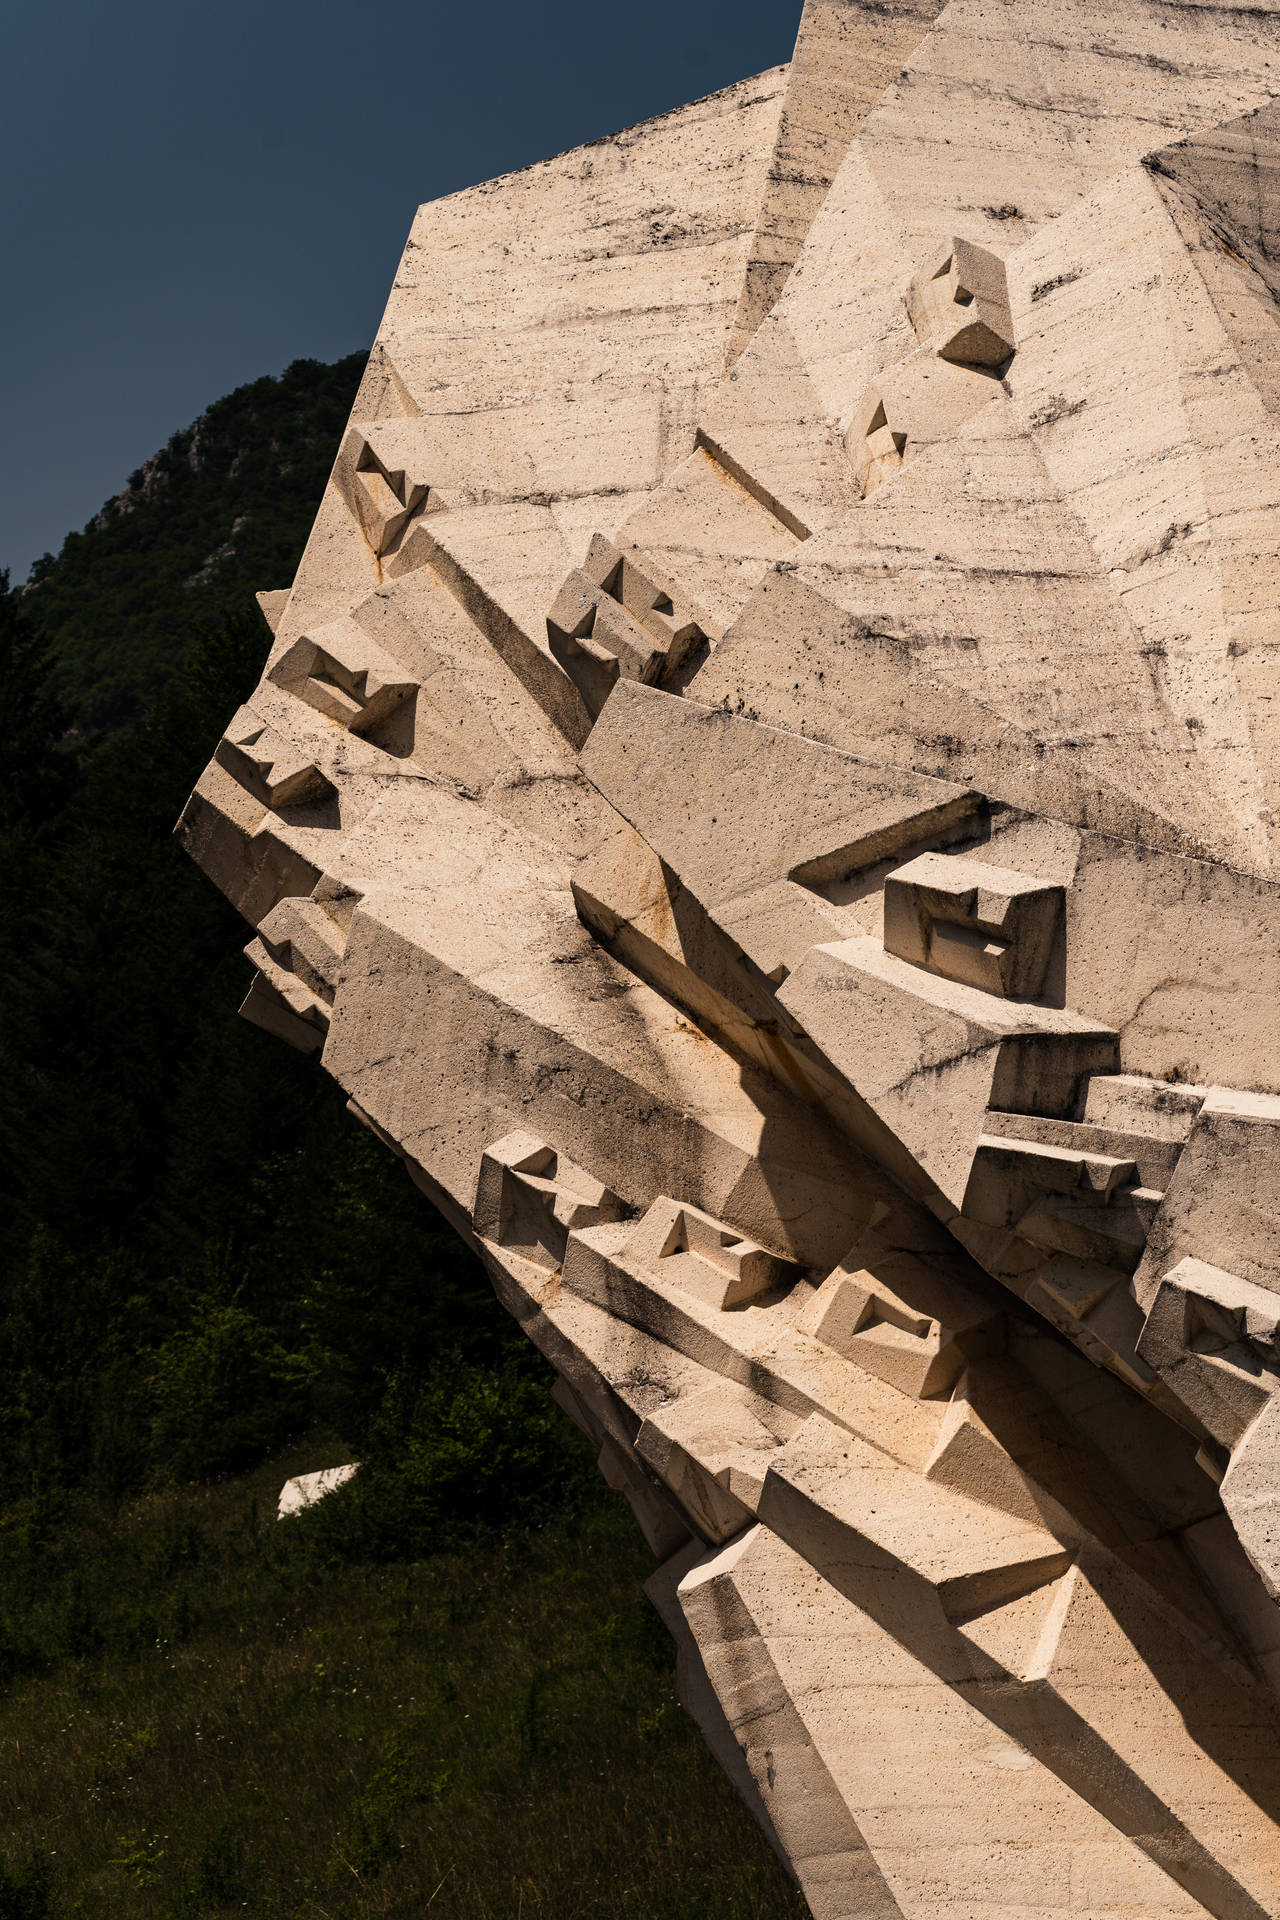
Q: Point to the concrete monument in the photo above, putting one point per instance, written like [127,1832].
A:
[766,791]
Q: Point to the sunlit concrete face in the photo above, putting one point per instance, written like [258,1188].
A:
[764,789]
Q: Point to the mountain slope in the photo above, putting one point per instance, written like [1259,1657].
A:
[220,512]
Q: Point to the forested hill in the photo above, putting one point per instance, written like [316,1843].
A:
[220,512]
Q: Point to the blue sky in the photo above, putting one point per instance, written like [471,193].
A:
[197,195]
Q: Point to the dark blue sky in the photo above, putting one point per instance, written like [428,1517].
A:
[198,195]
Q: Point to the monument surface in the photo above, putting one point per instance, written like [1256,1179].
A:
[766,790]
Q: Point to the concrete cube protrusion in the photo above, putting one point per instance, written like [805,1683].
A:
[1223,1197]
[309,942]
[959,306]
[342,673]
[270,767]
[705,1256]
[906,1315]
[866,1322]
[281,1006]
[1215,1339]
[374,477]
[613,619]
[987,926]
[298,953]
[529,1199]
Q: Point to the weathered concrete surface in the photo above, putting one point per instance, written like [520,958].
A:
[764,790]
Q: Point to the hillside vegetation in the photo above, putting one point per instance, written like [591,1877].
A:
[220,512]
[440,1690]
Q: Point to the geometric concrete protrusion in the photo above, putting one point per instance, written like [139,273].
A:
[280,1006]
[272,604]
[1010,1174]
[959,306]
[713,1449]
[612,619]
[704,1256]
[1215,1341]
[298,954]
[529,1198]
[301,937]
[866,1322]
[908,1317]
[1062,1208]
[909,407]
[875,442]
[1153,1156]
[277,773]
[383,497]
[929,1055]
[340,671]
[985,925]
[1160,1109]
[1222,1201]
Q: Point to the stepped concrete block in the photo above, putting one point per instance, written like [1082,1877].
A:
[929,1055]
[1215,1340]
[341,672]
[986,926]
[530,1198]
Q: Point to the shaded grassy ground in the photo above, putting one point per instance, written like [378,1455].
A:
[229,1720]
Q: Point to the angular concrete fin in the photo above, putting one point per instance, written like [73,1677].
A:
[1232,173]
[839,1874]
[846,53]
[383,394]
[1222,189]
[697,1695]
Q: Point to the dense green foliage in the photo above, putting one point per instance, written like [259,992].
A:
[437,1688]
[223,510]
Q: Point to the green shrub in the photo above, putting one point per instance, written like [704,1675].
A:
[225,1391]
[467,1449]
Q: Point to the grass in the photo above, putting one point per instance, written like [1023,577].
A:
[208,1714]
